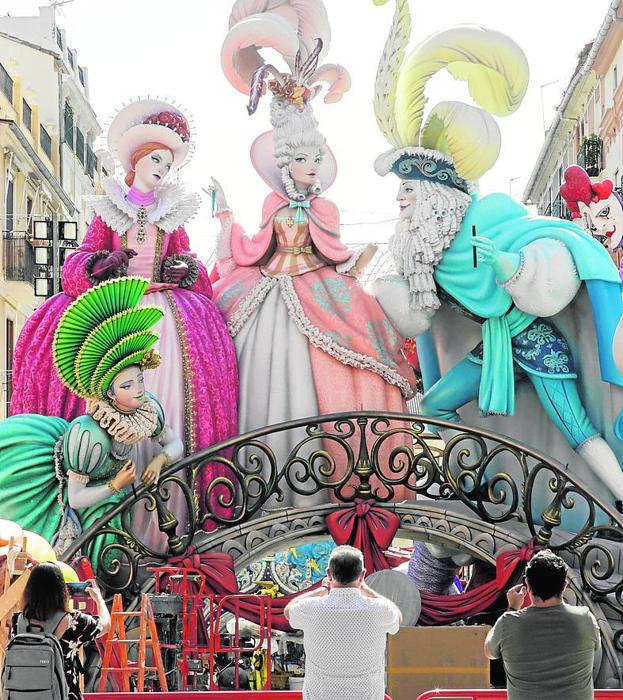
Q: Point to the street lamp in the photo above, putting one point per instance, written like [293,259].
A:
[551,82]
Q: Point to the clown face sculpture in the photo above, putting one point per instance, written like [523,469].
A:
[597,204]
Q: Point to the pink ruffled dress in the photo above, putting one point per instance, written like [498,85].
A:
[197,382]
[310,340]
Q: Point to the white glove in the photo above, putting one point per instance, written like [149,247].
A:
[220,201]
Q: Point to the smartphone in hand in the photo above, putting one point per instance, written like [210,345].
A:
[79,587]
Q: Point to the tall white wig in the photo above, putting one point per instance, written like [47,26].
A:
[298,30]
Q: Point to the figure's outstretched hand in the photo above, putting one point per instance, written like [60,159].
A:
[151,474]
[177,272]
[125,476]
[504,264]
[103,268]
[486,249]
[220,201]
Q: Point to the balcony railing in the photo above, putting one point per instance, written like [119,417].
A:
[590,156]
[557,208]
[18,257]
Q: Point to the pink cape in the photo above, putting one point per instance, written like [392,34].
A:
[324,226]
[355,352]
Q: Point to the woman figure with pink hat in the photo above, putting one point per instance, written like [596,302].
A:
[310,340]
[138,229]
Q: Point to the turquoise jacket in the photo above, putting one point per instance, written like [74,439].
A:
[510,225]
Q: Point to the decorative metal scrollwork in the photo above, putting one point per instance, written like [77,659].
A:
[369,456]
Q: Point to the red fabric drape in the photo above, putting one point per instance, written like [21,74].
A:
[218,570]
[445,609]
[367,527]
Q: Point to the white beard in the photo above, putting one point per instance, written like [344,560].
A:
[418,244]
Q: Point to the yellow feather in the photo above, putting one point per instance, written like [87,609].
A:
[468,134]
[493,65]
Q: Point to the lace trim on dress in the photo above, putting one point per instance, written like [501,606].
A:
[347,266]
[126,428]
[250,303]
[173,207]
[324,342]
[516,275]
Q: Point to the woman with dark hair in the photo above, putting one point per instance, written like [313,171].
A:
[45,595]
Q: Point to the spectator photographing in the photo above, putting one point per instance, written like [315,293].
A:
[547,648]
[345,625]
[46,610]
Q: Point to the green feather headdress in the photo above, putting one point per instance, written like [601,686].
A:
[103,332]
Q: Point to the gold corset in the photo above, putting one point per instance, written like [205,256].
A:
[295,252]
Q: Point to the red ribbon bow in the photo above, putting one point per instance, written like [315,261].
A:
[367,527]
[602,190]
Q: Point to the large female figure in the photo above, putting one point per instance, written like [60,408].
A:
[140,231]
[309,339]
[58,477]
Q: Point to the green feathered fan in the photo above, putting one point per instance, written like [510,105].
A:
[103,332]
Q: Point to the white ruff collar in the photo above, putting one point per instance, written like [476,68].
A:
[127,428]
[172,209]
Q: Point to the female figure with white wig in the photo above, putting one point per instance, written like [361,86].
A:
[309,339]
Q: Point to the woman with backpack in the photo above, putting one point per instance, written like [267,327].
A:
[46,612]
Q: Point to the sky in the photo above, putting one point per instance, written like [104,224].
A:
[171,49]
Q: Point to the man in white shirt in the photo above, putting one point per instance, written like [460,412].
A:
[345,625]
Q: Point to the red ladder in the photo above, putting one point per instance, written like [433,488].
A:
[117,642]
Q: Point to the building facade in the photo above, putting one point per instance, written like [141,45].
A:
[47,167]
[588,125]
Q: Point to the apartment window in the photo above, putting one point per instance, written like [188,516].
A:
[91,164]
[81,75]
[27,115]
[80,145]
[46,141]
[10,345]
[70,58]
[6,84]
[59,38]
[28,212]
[9,210]
[68,125]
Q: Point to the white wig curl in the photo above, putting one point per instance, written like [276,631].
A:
[293,128]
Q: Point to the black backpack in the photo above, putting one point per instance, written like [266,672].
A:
[33,664]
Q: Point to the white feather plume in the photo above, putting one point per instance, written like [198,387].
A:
[389,69]
[287,26]
[337,77]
